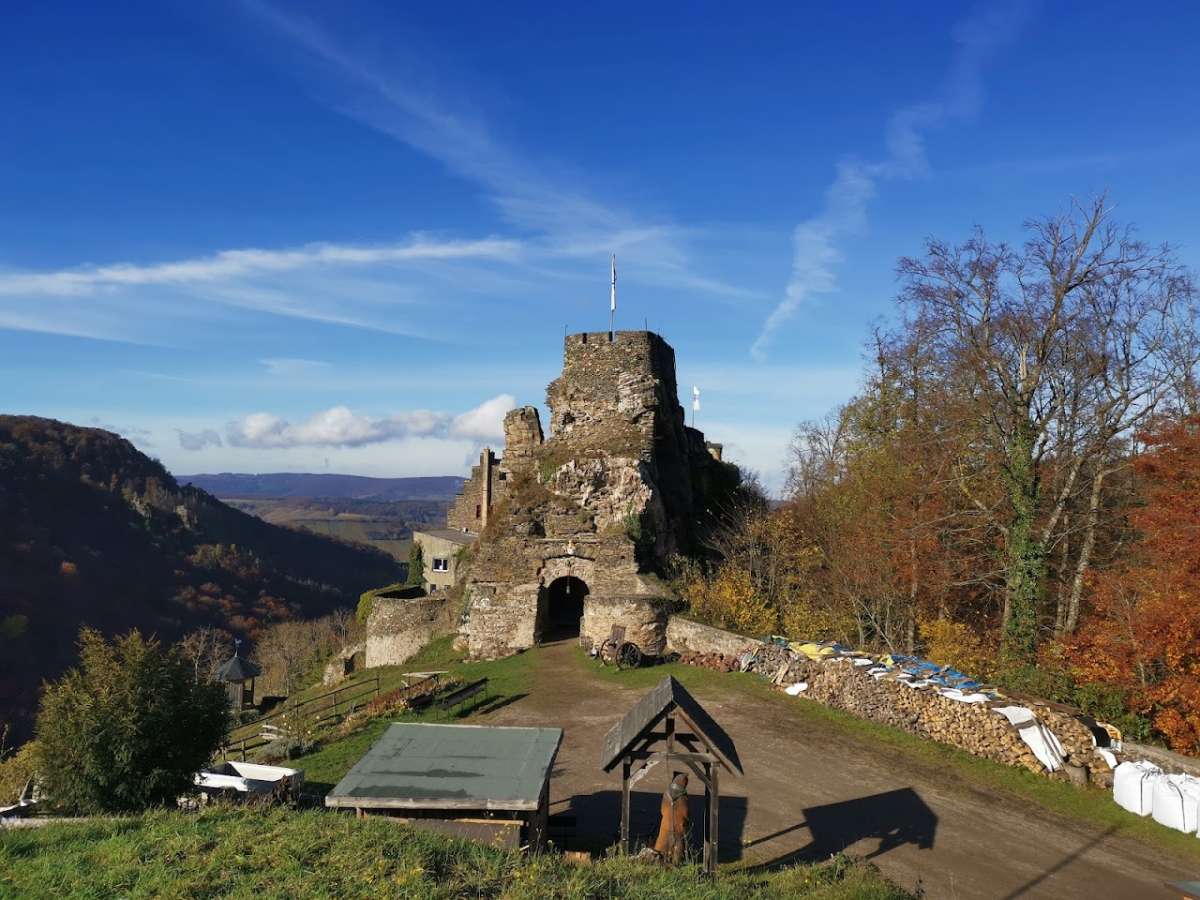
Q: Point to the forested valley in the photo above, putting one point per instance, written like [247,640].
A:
[93,532]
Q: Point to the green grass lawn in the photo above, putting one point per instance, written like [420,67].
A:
[264,852]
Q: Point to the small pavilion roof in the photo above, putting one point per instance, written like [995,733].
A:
[237,668]
[651,709]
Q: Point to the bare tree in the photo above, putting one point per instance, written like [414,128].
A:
[206,648]
[344,624]
[1059,351]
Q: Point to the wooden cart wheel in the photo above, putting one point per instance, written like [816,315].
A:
[608,651]
[629,656]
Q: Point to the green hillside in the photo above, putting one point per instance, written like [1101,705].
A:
[94,532]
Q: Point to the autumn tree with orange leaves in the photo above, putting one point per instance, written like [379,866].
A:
[1143,635]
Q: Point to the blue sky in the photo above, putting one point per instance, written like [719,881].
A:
[259,237]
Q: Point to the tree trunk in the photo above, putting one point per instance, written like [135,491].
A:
[1025,557]
[1085,551]
[911,636]
[1060,600]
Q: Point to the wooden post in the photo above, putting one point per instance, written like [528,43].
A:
[707,816]
[625,805]
[714,830]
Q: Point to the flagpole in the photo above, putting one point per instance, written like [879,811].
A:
[612,302]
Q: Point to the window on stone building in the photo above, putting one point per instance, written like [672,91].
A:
[441,564]
[478,510]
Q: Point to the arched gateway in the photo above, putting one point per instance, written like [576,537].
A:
[563,608]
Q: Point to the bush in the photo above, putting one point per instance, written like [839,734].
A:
[951,643]
[127,729]
[730,601]
[416,566]
[808,621]
[15,772]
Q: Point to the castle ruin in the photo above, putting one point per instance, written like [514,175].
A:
[573,529]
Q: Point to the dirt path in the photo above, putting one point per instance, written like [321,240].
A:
[809,793]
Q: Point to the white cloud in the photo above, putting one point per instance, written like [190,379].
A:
[486,421]
[340,426]
[197,440]
[233,264]
[392,92]
[816,254]
[292,367]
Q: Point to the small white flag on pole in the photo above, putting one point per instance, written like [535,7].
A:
[695,399]
[612,304]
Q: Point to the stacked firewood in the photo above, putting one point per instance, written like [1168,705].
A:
[973,727]
[718,662]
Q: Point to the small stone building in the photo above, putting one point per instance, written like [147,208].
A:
[440,548]
[573,529]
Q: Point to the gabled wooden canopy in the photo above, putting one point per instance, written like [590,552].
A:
[635,734]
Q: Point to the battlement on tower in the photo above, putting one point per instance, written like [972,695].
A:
[614,379]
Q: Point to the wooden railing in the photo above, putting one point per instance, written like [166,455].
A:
[304,715]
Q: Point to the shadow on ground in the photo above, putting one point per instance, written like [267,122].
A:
[893,818]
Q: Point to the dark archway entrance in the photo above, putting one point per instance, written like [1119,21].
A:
[564,607]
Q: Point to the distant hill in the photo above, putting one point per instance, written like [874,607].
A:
[93,531]
[357,487]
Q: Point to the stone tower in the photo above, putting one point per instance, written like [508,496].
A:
[573,528]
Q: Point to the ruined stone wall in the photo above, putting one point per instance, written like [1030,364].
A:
[503,619]
[335,669]
[644,619]
[685,636]
[523,438]
[466,512]
[397,629]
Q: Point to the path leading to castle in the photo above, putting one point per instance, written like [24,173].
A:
[810,790]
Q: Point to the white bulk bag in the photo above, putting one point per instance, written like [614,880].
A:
[1133,786]
[1177,802]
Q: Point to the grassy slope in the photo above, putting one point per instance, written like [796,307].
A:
[230,852]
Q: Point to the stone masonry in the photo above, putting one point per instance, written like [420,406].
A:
[618,487]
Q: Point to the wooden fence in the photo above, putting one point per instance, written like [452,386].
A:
[300,716]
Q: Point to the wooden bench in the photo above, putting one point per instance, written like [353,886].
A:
[464,693]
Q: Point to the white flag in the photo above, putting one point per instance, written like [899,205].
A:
[695,399]
[612,304]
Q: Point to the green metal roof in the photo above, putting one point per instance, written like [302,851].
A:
[458,767]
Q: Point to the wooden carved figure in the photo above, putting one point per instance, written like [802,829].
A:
[672,831]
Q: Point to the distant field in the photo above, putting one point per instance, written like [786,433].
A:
[385,524]
[300,485]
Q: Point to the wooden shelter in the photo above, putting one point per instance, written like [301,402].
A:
[489,784]
[237,674]
[668,726]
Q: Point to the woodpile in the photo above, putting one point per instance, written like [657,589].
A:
[973,727]
[718,662]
